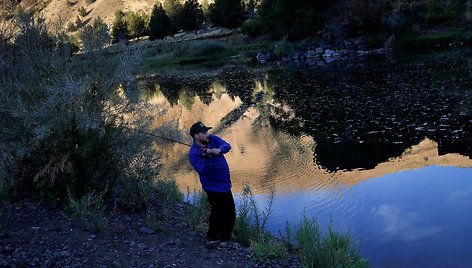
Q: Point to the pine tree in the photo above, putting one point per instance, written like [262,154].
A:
[192,15]
[119,29]
[159,24]
[227,13]
[174,10]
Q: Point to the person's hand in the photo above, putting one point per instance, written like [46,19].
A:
[214,151]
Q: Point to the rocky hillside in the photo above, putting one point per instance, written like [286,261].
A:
[63,11]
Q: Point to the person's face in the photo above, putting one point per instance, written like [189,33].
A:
[203,137]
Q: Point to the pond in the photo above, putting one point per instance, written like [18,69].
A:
[381,147]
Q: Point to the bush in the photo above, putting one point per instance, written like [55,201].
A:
[250,223]
[62,117]
[199,48]
[267,248]
[198,211]
[89,210]
[326,250]
[82,11]
[168,195]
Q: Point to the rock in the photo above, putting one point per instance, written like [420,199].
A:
[65,253]
[116,263]
[311,54]
[145,230]
[265,56]
[141,246]
[319,50]
[329,53]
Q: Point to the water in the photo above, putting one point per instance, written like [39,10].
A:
[381,148]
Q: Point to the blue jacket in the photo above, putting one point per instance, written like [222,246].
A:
[214,170]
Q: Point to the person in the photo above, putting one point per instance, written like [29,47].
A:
[207,158]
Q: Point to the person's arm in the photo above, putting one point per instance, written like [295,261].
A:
[199,163]
[222,146]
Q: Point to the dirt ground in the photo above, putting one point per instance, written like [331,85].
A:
[38,236]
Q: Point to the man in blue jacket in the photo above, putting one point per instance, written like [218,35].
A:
[206,157]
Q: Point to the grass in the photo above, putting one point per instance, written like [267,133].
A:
[328,249]
[198,209]
[89,210]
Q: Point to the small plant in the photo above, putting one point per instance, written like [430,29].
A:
[250,223]
[168,195]
[153,220]
[267,248]
[90,211]
[326,250]
[199,209]
[82,11]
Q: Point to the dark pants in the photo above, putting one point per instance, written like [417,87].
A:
[222,215]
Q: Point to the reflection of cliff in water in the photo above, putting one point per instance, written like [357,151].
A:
[265,156]
[359,117]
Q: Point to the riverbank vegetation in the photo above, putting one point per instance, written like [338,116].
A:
[354,24]
[316,247]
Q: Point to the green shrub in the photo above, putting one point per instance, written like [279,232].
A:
[89,210]
[267,248]
[82,11]
[198,211]
[168,195]
[251,223]
[326,250]
[412,41]
[199,48]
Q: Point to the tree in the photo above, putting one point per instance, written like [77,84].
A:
[227,13]
[82,11]
[78,23]
[94,36]
[159,23]
[136,24]
[174,10]
[119,29]
[192,15]
[296,19]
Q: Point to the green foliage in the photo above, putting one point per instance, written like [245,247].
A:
[82,11]
[94,36]
[283,47]
[198,211]
[136,23]
[71,27]
[267,248]
[326,250]
[174,9]
[160,25]
[199,48]
[441,11]
[413,41]
[192,15]
[89,210]
[5,207]
[119,28]
[296,19]
[78,23]
[168,195]
[62,117]
[251,223]
[227,13]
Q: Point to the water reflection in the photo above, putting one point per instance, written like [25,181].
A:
[382,153]
[264,155]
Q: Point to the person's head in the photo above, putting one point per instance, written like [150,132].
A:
[199,133]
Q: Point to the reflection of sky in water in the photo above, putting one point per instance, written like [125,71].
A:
[417,218]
